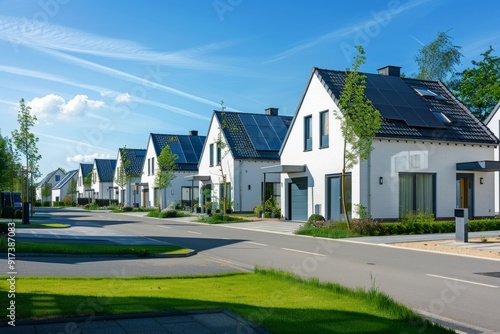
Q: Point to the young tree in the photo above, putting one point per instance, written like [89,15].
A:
[478,88]
[437,59]
[87,182]
[26,141]
[359,121]
[4,164]
[46,191]
[165,174]
[72,189]
[123,176]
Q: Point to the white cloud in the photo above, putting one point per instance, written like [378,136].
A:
[123,98]
[52,105]
[87,157]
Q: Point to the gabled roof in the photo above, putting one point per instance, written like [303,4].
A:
[187,147]
[48,176]
[135,157]
[254,136]
[492,113]
[105,169]
[413,109]
[86,169]
[65,179]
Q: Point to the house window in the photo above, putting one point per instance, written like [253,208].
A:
[219,154]
[324,129]
[152,166]
[58,178]
[211,155]
[228,195]
[308,133]
[417,193]
[273,189]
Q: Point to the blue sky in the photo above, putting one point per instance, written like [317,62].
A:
[101,75]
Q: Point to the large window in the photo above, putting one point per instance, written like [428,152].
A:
[211,155]
[324,129]
[273,189]
[308,133]
[417,193]
[219,154]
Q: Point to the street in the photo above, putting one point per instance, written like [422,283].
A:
[461,289]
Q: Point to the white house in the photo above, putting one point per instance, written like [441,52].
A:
[127,175]
[102,179]
[493,123]
[188,150]
[83,171]
[63,187]
[51,179]
[431,154]
[249,142]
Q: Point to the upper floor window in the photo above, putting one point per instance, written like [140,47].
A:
[211,155]
[219,154]
[307,133]
[58,178]
[324,129]
[153,166]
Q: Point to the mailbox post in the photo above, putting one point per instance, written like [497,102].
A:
[462,225]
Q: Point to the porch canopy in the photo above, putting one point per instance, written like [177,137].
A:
[284,169]
[193,178]
[479,166]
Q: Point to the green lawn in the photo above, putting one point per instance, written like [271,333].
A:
[277,301]
[78,248]
[42,225]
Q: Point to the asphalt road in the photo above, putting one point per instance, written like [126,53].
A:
[448,287]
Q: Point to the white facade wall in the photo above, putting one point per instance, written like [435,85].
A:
[101,190]
[53,180]
[126,194]
[494,126]
[385,161]
[245,176]
[83,192]
[63,191]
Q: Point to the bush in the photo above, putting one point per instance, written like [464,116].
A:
[18,214]
[168,213]
[153,213]
[8,212]
[4,228]
[315,218]
[67,200]
[127,208]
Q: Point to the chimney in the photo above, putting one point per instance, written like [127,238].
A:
[393,71]
[272,111]
[193,132]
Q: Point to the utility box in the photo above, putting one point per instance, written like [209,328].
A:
[462,225]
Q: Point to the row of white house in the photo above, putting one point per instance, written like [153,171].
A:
[431,155]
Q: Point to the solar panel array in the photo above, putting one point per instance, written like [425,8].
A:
[397,101]
[266,132]
[187,148]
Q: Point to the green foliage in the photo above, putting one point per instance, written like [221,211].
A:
[168,213]
[127,208]
[24,140]
[272,208]
[18,214]
[4,229]
[326,229]
[315,217]
[361,211]
[46,190]
[8,212]
[67,200]
[478,88]
[153,213]
[92,206]
[166,167]
[437,59]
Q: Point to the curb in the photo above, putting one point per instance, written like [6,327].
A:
[132,256]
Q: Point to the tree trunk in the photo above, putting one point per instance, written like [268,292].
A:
[344,203]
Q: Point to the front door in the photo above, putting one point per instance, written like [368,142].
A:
[334,209]
[465,192]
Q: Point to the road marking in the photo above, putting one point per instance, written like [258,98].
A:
[461,280]
[299,251]
[163,226]
[255,243]
[193,232]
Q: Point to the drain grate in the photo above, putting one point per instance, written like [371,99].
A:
[495,274]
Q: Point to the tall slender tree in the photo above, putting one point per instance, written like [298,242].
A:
[123,175]
[165,174]
[437,60]
[359,121]
[26,142]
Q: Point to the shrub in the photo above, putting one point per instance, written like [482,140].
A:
[4,228]
[7,212]
[67,200]
[18,214]
[168,213]
[419,216]
[315,217]
[127,208]
[153,213]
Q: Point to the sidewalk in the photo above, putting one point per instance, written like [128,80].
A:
[217,321]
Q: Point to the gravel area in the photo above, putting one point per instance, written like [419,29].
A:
[451,246]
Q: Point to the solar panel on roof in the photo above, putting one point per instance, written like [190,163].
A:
[140,153]
[388,112]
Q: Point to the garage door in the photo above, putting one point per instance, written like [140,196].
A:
[298,199]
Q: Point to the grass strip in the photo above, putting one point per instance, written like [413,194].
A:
[42,225]
[79,248]
[278,301]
